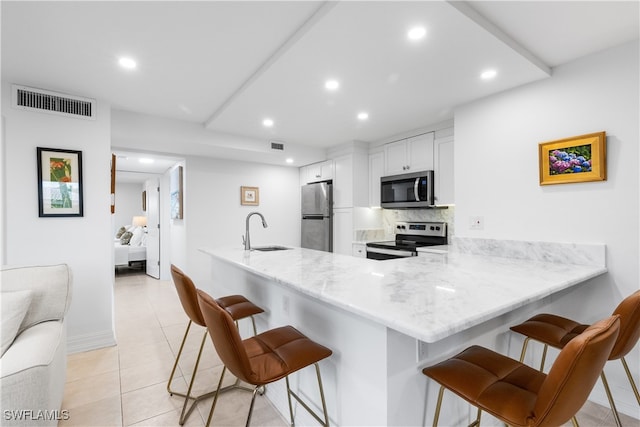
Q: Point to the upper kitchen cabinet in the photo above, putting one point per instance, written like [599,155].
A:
[409,155]
[350,184]
[443,171]
[316,172]
[376,171]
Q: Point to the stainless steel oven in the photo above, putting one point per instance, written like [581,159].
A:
[409,236]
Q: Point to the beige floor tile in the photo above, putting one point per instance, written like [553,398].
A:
[91,389]
[209,359]
[91,363]
[232,409]
[172,419]
[148,402]
[175,333]
[105,412]
[146,374]
[132,354]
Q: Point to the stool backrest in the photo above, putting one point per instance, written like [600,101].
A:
[187,294]
[574,373]
[226,338]
[629,312]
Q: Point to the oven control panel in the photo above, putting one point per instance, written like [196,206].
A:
[438,229]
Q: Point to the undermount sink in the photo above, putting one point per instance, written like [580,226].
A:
[269,248]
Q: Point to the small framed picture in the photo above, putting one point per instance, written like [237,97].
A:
[576,159]
[250,196]
[59,182]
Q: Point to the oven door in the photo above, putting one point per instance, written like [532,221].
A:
[384,253]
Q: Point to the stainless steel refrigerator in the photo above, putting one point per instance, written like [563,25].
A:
[317,216]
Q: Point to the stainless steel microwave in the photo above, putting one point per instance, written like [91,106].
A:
[409,190]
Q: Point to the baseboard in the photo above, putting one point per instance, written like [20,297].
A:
[86,342]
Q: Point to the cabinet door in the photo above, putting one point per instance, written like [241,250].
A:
[326,170]
[420,152]
[443,172]
[395,155]
[343,182]
[342,231]
[376,171]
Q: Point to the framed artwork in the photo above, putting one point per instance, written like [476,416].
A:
[176,193]
[250,196]
[576,159]
[59,182]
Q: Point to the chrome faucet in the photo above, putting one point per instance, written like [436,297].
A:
[245,239]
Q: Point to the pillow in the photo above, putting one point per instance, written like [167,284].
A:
[126,237]
[120,232]
[136,239]
[14,307]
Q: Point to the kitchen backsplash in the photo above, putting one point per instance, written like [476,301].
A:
[391,216]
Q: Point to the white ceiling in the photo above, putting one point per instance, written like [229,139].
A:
[229,65]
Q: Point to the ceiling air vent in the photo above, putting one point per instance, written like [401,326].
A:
[277,145]
[44,101]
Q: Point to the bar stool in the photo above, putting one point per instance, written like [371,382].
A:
[238,308]
[556,331]
[522,396]
[264,358]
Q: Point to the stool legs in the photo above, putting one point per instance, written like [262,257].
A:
[436,416]
[610,397]
[290,393]
[631,381]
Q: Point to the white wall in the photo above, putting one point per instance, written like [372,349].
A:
[85,243]
[128,203]
[213,215]
[496,176]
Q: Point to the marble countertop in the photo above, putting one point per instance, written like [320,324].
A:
[428,297]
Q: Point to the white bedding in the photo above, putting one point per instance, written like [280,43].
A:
[124,254]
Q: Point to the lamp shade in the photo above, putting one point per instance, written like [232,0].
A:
[139,221]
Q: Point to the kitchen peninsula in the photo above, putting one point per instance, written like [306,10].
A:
[385,320]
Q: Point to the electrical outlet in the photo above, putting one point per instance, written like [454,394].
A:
[476,223]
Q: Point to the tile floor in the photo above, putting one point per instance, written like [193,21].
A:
[125,385]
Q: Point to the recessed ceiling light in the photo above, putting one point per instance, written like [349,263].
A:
[127,63]
[488,74]
[416,33]
[363,116]
[145,160]
[289,160]
[267,123]
[332,84]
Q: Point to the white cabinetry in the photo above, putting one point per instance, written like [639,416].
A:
[409,155]
[322,171]
[443,171]
[350,186]
[376,171]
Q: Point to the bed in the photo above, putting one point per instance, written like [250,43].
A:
[130,246]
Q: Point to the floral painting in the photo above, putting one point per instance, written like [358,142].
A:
[59,182]
[576,159]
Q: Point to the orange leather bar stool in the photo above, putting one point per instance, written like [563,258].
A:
[556,331]
[522,396]
[238,308]
[264,358]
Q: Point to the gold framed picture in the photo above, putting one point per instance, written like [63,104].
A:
[249,196]
[576,159]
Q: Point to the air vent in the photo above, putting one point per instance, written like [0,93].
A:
[44,101]
[277,145]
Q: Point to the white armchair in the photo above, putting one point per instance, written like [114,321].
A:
[33,365]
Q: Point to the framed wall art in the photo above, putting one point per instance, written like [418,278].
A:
[59,182]
[176,193]
[250,196]
[576,159]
